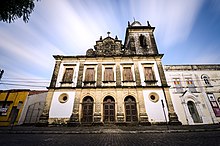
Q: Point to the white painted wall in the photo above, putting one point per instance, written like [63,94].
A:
[155,110]
[31,99]
[61,110]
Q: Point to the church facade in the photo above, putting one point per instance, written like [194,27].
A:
[113,83]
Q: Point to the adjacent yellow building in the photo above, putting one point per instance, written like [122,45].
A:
[11,105]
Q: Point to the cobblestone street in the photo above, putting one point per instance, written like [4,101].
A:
[172,139]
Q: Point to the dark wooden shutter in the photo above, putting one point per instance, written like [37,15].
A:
[68,75]
[149,76]
[127,74]
[108,74]
[90,75]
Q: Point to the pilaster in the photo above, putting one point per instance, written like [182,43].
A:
[173,119]
[43,121]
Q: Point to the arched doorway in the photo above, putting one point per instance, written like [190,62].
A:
[193,112]
[130,109]
[87,110]
[109,110]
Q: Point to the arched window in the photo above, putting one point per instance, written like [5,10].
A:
[109,109]
[87,110]
[130,109]
[193,112]
[206,80]
[143,41]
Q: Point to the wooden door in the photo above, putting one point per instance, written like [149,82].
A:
[109,110]
[87,110]
[130,110]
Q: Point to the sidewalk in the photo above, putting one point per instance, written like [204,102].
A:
[106,129]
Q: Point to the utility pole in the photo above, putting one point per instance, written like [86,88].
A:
[164,114]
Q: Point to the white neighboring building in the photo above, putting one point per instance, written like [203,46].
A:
[195,92]
[33,107]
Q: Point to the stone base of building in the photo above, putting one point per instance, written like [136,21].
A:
[73,124]
[121,124]
[97,124]
[174,120]
[43,121]
[160,123]
[144,120]
[74,120]
[145,123]
[175,123]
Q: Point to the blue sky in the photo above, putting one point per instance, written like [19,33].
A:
[187,32]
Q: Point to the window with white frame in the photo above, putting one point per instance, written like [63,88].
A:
[190,84]
[149,74]
[68,75]
[89,74]
[177,85]
[127,74]
[205,78]
[108,74]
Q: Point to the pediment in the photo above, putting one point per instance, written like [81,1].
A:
[189,95]
[106,47]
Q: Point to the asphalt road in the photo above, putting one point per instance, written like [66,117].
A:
[151,139]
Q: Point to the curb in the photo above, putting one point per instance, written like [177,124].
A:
[103,131]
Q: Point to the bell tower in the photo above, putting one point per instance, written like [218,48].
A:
[139,39]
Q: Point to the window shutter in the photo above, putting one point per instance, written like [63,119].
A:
[90,74]
[108,74]
[149,76]
[68,75]
[127,74]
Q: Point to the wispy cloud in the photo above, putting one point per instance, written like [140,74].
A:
[71,27]
[173,19]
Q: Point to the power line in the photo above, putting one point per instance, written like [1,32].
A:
[25,79]
[5,81]
[23,85]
